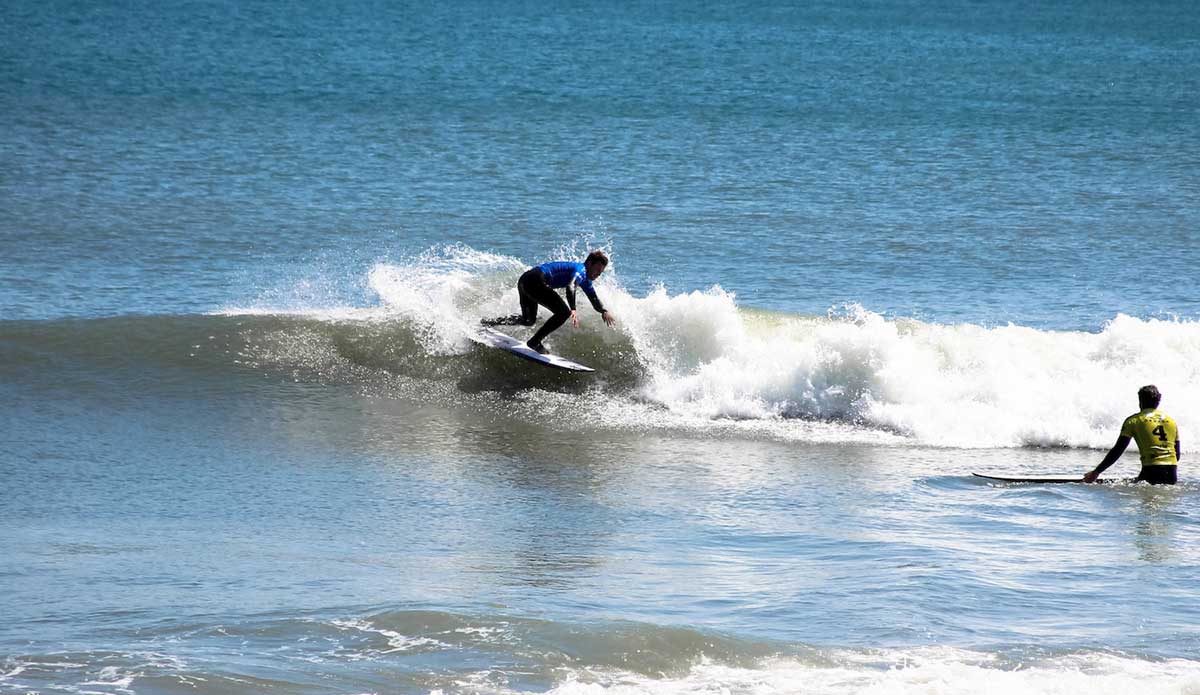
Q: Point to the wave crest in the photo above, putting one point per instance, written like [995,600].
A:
[694,360]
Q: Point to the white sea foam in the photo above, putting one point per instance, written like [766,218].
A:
[114,677]
[928,671]
[397,642]
[960,385]
[852,375]
[432,291]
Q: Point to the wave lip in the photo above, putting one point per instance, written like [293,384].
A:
[702,357]
[956,386]
[698,357]
[693,361]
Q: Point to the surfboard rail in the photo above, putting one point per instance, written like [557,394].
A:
[491,337]
[1033,478]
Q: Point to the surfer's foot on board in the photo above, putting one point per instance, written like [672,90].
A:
[538,348]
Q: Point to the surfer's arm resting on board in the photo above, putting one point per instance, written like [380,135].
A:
[1109,459]
[1157,438]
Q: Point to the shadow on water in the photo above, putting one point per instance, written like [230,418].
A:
[495,371]
[491,369]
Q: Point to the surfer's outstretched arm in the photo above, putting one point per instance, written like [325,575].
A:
[592,268]
[1109,459]
[595,300]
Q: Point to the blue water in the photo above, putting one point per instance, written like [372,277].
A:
[859,251]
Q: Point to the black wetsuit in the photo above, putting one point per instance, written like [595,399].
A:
[1158,475]
[536,287]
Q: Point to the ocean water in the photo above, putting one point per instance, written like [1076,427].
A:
[860,251]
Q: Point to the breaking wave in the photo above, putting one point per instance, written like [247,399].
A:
[691,359]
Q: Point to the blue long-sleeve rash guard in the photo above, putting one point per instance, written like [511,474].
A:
[569,275]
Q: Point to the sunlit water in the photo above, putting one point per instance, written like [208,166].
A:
[246,444]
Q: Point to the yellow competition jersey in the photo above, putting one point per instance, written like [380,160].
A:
[1155,434]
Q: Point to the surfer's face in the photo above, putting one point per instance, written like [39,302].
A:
[594,270]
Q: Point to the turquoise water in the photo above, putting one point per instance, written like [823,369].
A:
[858,252]
[165,160]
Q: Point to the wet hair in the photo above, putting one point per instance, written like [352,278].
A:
[1149,397]
[597,256]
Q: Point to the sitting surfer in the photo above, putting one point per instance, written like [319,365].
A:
[1157,438]
[536,286]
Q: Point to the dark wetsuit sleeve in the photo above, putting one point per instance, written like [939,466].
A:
[590,290]
[591,295]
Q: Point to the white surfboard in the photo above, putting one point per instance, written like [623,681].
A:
[1034,478]
[494,338]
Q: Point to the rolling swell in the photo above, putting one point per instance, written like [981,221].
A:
[355,347]
[389,651]
[693,361]
[453,652]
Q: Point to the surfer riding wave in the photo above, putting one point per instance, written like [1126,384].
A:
[537,286]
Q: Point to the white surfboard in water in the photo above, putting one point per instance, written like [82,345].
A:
[1035,478]
[494,338]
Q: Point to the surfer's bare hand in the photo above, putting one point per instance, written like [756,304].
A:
[1090,477]
[608,318]
[575,318]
